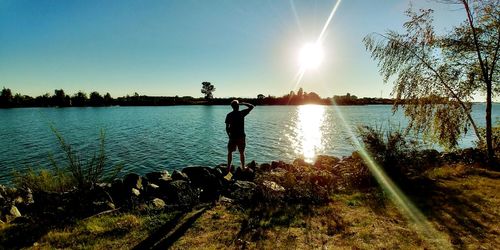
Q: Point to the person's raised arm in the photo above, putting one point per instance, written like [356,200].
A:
[249,106]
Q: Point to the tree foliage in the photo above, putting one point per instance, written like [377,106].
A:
[207,89]
[435,76]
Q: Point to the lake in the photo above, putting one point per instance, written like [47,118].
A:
[154,138]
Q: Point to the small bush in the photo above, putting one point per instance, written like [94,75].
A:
[392,150]
[495,137]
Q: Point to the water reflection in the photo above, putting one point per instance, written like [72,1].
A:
[308,131]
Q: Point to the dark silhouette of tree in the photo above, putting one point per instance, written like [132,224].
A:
[79,99]
[207,89]
[60,99]
[96,99]
[300,93]
[6,98]
[454,65]
[108,100]
[260,96]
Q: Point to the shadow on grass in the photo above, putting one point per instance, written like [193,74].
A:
[170,232]
[458,212]
[25,232]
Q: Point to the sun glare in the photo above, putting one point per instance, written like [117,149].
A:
[311,56]
[309,136]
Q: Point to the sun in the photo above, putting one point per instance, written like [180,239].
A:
[311,56]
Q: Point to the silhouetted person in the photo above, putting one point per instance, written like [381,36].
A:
[235,129]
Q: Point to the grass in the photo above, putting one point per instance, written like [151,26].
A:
[107,231]
[463,207]
[78,171]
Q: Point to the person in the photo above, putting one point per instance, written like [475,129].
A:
[235,129]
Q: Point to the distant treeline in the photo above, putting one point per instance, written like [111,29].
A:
[95,99]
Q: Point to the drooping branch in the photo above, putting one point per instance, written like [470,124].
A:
[441,80]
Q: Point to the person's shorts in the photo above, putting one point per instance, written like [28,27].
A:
[236,143]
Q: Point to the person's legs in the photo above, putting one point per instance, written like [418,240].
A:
[231,147]
[242,158]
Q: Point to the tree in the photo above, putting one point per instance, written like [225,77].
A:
[451,67]
[260,96]
[96,99]
[207,89]
[79,99]
[60,99]
[108,100]
[6,98]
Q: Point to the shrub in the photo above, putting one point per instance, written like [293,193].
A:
[392,150]
[495,137]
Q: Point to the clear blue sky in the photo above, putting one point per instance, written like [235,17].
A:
[169,47]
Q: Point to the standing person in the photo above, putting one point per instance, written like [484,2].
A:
[235,129]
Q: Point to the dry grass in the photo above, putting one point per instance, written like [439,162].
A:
[464,205]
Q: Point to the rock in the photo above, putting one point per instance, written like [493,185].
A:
[278,172]
[180,192]
[135,192]
[207,179]
[244,175]
[178,175]
[271,190]
[132,180]
[100,206]
[152,191]
[3,201]
[326,162]
[155,176]
[265,167]
[118,192]
[253,165]
[243,191]
[224,199]
[158,203]
[10,213]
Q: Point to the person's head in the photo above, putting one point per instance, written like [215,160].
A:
[235,105]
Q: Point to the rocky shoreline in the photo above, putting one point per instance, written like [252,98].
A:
[268,182]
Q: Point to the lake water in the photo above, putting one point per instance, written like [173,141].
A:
[154,138]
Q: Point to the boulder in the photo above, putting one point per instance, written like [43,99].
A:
[132,180]
[243,191]
[253,165]
[152,191]
[207,179]
[326,162]
[244,174]
[155,176]
[135,192]
[271,190]
[118,192]
[178,175]
[10,213]
[180,192]
[157,203]
[265,167]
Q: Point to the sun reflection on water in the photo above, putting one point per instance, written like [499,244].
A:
[308,133]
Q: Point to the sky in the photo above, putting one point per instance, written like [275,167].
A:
[167,48]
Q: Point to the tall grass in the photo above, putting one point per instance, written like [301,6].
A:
[77,171]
